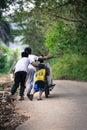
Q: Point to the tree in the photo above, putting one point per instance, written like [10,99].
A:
[30,27]
[58,40]
[8,59]
[35,22]
[5,31]
[5,28]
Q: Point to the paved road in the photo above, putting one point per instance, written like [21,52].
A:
[65,109]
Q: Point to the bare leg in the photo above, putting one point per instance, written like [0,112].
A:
[40,94]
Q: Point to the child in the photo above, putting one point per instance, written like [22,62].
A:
[31,69]
[20,72]
[39,79]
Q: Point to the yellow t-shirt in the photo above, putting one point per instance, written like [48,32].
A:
[40,75]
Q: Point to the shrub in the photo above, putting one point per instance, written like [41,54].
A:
[70,66]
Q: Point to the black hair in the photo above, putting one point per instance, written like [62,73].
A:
[40,60]
[24,54]
[41,66]
[28,50]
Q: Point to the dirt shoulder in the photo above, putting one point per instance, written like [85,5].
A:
[9,117]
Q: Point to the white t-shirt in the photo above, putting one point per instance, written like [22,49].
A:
[33,58]
[22,64]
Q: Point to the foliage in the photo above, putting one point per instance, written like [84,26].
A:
[5,3]
[80,40]
[5,32]
[63,39]
[8,58]
[68,44]
[28,12]
[30,27]
[3,65]
[5,28]
[70,66]
[58,38]
[3,61]
[66,10]
[60,24]
[12,59]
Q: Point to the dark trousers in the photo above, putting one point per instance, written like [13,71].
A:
[20,78]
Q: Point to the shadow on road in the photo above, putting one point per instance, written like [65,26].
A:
[64,95]
[67,95]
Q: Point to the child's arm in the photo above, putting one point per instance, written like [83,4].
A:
[45,58]
[35,65]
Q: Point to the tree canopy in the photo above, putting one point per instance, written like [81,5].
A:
[37,16]
[57,27]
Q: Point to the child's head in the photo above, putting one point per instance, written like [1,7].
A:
[28,50]
[24,54]
[41,66]
[41,60]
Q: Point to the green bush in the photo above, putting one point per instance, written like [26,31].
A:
[70,66]
[8,58]
[3,63]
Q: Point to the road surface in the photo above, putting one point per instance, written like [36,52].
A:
[65,109]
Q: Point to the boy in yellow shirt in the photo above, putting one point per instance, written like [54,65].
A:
[39,80]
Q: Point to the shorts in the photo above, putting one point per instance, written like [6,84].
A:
[39,86]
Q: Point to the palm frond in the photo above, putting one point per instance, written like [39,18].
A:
[5,32]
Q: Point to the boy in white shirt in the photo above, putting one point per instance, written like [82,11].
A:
[32,70]
[20,72]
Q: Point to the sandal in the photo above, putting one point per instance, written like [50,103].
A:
[21,98]
[39,99]
[30,96]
